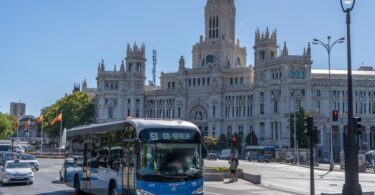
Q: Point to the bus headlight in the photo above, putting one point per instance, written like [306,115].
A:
[143,192]
[198,191]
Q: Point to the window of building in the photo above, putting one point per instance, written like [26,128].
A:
[275,107]
[137,108]
[214,111]
[318,93]
[193,82]
[208,81]
[261,108]
[262,131]
[110,112]
[189,82]
[210,59]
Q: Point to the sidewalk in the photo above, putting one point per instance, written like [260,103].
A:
[241,187]
[325,167]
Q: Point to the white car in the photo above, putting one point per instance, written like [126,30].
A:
[19,150]
[16,172]
[34,163]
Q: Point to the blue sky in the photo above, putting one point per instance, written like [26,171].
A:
[46,46]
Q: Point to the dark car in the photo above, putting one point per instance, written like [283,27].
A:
[6,156]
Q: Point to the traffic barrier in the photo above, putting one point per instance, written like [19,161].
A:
[255,179]
[213,177]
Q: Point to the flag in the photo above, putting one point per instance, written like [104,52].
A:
[27,125]
[57,119]
[40,119]
[17,123]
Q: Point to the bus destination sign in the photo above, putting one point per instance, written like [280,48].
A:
[154,136]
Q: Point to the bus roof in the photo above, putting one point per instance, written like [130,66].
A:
[259,147]
[139,125]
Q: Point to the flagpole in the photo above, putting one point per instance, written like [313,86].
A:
[60,134]
[41,140]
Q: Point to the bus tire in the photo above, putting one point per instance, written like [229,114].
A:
[77,185]
[112,188]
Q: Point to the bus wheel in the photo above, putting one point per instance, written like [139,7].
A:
[112,188]
[77,185]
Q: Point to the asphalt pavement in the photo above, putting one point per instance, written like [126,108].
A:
[46,182]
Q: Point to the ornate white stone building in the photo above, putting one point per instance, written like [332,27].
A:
[222,94]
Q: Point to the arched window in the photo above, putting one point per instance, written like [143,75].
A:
[210,59]
[238,61]
[198,116]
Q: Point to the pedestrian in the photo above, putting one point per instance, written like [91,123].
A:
[233,163]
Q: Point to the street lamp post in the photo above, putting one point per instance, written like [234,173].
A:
[351,186]
[328,46]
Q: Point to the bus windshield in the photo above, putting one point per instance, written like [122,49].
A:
[170,161]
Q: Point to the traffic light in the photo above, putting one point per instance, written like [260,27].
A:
[335,115]
[357,125]
[309,125]
[315,135]
[234,140]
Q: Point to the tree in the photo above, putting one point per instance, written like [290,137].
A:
[77,110]
[7,125]
[211,143]
[302,139]
[222,142]
[251,139]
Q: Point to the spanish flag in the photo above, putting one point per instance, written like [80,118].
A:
[40,119]
[57,119]
[27,125]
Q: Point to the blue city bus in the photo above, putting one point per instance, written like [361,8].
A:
[260,153]
[136,156]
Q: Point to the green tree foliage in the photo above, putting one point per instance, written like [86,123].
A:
[77,110]
[7,125]
[302,139]
[251,139]
[211,143]
[222,142]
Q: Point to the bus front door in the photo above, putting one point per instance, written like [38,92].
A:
[128,171]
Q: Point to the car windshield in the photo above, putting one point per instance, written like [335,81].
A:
[5,147]
[27,157]
[170,161]
[13,165]
[8,155]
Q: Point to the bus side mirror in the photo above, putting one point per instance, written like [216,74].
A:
[204,151]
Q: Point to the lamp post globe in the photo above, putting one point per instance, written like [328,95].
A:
[347,5]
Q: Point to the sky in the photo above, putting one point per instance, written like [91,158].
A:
[47,46]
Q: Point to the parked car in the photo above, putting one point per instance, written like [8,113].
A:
[6,157]
[225,154]
[69,163]
[211,156]
[16,172]
[289,158]
[34,163]
[19,150]
[5,146]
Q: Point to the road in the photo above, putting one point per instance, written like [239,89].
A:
[296,180]
[47,183]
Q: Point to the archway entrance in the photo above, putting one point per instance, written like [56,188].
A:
[198,115]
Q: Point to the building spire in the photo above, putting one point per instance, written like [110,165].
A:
[285,49]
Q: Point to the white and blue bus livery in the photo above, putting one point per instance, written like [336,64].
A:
[136,156]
